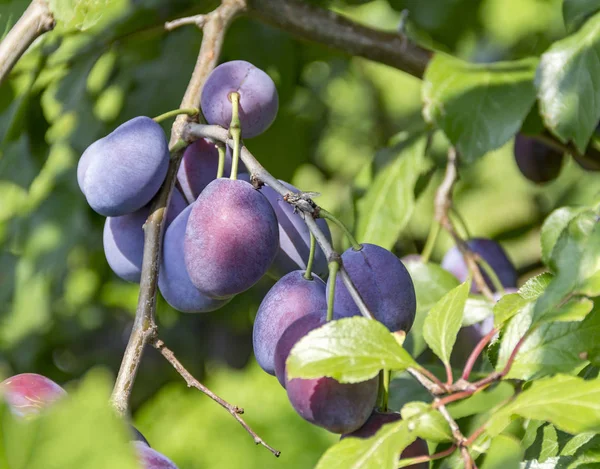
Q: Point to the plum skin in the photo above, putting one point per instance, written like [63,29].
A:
[123,238]
[173,280]
[120,173]
[294,236]
[384,284]
[536,161]
[291,297]
[379,419]
[28,393]
[152,459]
[492,253]
[231,238]
[258,102]
[337,407]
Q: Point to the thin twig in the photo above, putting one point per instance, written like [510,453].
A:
[34,22]
[197,20]
[433,457]
[476,352]
[235,411]
[443,204]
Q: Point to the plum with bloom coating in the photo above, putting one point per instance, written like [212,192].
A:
[28,393]
[152,459]
[536,161]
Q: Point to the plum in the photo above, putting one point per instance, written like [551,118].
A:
[335,406]
[536,161]
[138,436]
[28,393]
[121,172]
[231,238]
[384,284]
[294,237]
[258,97]
[152,459]
[492,253]
[291,297]
[173,280]
[379,419]
[123,238]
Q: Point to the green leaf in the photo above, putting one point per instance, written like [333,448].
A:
[428,423]
[575,12]
[505,453]
[549,443]
[444,321]
[507,307]
[568,402]
[576,442]
[381,451]
[552,228]
[387,206]
[575,309]
[569,87]
[84,14]
[476,310]
[480,107]
[481,402]
[349,350]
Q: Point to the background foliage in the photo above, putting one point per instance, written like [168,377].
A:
[346,128]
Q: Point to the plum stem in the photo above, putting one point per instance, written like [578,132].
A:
[334,267]
[221,167]
[330,216]
[193,111]
[235,129]
[491,273]
[461,221]
[311,258]
[434,230]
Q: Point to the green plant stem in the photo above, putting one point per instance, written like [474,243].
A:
[176,112]
[329,216]
[235,129]
[386,376]
[491,274]
[311,258]
[221,167]
[462,222]
[334,267]
[430,243]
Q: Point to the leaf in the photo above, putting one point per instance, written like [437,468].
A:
[549,443]
[381,451]
[349,350]
[84,14]
[428,423]
[568,402]
[480,107]
[553,226]
[387,206]
[509,305]
[575,309]
[576,442]
[481,402]
[505,453]
[568,85]
[444,321]
[476,310]
[575,12]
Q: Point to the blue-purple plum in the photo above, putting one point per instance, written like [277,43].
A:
[492,253]
[231,238]
[291,297]
[294,237]
[383,283]
[28,394]
[152,459]
[173,280]
[138,436]
[379,419]
[123,238]
[258,97]
[337,407]
[121,172]
[536,161]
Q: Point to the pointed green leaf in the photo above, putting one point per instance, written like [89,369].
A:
[553,226]
[387,206]
[84,14]
[349,350]
[576,12]
[444,321]
[480,107]
[568,83]
[504,453]
[428,423]
[568,402]
[574,309]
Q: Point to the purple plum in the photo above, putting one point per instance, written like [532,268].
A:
[29,393]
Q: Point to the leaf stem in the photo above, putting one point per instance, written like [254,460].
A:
[176,112]
[235,129]
[334,266]
[311,258]
[434,230]
[330,216]
[386,388]
[221,167]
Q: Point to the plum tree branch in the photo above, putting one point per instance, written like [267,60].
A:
[35,21]
[307,210]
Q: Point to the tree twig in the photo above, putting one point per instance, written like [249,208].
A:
[235,411]
[476,352]
[443,204]
[34,22]
[196,20]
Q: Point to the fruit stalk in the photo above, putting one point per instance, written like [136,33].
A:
[311,258]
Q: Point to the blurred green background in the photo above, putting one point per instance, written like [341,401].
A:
[62,311]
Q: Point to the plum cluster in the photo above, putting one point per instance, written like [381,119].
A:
[29,394]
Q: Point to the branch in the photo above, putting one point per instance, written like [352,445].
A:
[307,211]
[144,326]
[235,411]
[34,22]
[312,23]
[443,204]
